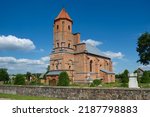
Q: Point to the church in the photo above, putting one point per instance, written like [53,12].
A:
[83,62]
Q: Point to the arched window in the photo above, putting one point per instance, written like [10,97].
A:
[69,67]
[91,62]
[68,27]
[57,27]
[57,44]
[57,66]
[69,45]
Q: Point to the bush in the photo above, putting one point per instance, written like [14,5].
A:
[19,80]
[95,83]
[63,79]
[145,78]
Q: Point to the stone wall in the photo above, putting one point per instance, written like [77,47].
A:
[79,93]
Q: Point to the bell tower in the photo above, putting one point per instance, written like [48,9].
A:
[62,29]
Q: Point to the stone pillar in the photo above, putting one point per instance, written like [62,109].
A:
[133,83]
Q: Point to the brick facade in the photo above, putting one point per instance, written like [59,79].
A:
[77,58]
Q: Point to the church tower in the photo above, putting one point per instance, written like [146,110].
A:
[63,38]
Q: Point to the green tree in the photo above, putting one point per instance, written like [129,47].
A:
[63,79]
[143,48]
[19,80]
[146,77]
[4,75]
[28,75]
[125,77]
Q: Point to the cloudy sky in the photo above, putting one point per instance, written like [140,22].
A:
[26,30]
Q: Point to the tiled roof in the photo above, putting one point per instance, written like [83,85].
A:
[106,71]
[53,72]
[63,14]
[94,50]
[42,75]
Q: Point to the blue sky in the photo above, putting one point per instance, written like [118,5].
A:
[26,30]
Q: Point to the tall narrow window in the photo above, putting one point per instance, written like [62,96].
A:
[69,45]
[57,66]
[91,65]
[68,27]
[57,44]
[57,27]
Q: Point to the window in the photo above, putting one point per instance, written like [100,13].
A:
[68,27]
[57,66]
[69,45]
[57,44]
[91,62]
[63,22]
[57,27]
[69,67]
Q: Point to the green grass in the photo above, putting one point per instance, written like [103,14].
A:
[21,97]
[144,85]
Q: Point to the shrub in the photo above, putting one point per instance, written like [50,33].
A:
[145,78]
[95,83]
[63,79]
[19,80]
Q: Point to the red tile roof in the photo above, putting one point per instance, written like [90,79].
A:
[63,15]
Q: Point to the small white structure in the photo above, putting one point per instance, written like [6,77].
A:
[133,83]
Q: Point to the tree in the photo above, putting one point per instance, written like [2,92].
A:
[63,79]
[19,80]
[28,75]
[143,48]
[146,77]
[4,75]
[125,77]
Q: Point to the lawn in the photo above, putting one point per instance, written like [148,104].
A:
[144,85]
[21,97]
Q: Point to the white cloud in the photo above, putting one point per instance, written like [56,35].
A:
[92,42]
[117,55]
[145,67]
[14,43]
[23,65]
[46,58]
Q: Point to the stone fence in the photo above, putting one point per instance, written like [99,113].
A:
[72,93]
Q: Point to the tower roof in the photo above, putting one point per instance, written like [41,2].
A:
[63,15]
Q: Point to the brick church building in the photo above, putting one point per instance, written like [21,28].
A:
[82,62]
